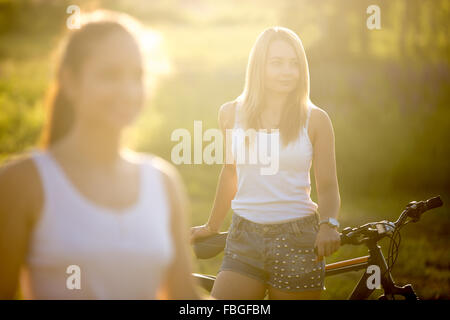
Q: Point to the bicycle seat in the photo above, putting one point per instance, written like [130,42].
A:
[209,247]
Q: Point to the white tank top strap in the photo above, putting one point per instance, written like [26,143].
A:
[52,181]
[41,164]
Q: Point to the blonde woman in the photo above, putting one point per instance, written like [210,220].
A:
[275,225]
[82,218]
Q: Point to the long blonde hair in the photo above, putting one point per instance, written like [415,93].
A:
[294,113]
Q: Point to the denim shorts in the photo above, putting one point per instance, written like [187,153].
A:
[279,255]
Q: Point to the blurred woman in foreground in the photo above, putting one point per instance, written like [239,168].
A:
[85,219]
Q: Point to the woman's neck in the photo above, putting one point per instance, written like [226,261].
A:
[93,146]
[274,104]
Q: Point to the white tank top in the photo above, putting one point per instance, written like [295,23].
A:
[280,197]
[121,254]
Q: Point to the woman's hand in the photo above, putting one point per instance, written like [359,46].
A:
[328,241]
[201,232]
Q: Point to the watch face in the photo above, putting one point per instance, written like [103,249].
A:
[334,222]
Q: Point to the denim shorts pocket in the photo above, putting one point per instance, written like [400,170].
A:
[316,227]
[303,236]
[241,245]
[234,233]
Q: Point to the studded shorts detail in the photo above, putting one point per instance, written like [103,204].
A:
[280,255]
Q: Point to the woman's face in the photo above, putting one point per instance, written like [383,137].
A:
[109,91]
[282,70]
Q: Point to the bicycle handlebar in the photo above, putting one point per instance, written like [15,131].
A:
[211,246]
[433,203]
[415,209]
[378,230]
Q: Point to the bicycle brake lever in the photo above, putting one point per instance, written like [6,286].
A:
[415,210]
[350,238]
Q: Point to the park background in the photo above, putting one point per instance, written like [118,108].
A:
[386,92]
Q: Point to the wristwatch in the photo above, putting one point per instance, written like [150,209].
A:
[332,222]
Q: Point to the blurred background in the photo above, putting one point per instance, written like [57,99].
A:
[386,91]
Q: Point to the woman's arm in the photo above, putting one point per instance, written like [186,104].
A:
[179,282]
[20,198]
[227,184]
[324,163]
[226,190]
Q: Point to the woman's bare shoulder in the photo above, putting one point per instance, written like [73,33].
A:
[21,185]
[227,113]
[319,121]
[317,113]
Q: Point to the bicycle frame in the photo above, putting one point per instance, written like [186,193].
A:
[376,257]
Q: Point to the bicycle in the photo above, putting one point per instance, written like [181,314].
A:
[368,234]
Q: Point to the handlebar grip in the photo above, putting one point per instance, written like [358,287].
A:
[435,202]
